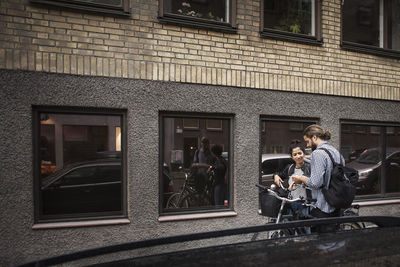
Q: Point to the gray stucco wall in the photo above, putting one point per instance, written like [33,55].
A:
[143,100]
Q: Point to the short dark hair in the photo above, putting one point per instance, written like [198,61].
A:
[217,150]
[318,131]
[296,144]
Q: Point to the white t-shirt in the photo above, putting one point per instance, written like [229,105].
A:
[297,190]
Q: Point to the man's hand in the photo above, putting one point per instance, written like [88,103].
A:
[299,179]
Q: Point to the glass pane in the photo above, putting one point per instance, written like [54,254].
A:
[361,148]
[392,173]
[295,16]
[80,167]
[216,10]
[186,186]
[394,26]
[361,22]
[275,141]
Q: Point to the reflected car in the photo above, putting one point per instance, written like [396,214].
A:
[272,163]
[368,165]
[84,187]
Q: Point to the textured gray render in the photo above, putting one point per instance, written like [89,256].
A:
[143,101]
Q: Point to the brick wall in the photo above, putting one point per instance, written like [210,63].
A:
[38,38]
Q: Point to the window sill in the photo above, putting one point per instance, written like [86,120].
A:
[377,51]
[220,27]
[291,37]
[54,225]
[117,11]
[171,218]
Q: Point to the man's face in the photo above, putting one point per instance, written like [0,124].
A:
[311,142]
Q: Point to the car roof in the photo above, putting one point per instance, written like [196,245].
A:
[70,167]
[270,156]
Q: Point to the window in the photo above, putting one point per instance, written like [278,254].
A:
[218,15]
[78,164]
[116,7]
[188,189]
[275,141]
[372,26]
[375,154]
[292,20]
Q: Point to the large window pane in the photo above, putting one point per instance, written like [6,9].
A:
[214,10]
[294,16]
[392,165]
[276,137]
[80,167]
[185,187]
[361,22]
[394,26]
[361,146]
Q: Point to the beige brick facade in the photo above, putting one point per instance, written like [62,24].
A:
[38,38]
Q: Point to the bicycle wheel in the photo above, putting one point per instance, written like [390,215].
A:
[195,200]
[173,201]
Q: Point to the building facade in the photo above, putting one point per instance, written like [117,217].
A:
[105,104]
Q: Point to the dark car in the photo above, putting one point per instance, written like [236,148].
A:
[84,187]
[369,165]
[272,163]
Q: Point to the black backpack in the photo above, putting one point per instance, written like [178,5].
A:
[341,190]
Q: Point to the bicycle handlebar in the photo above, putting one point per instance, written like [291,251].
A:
[304,202]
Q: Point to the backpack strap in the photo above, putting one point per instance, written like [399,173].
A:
[333,163]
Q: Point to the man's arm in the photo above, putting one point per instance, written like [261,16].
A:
[318,167]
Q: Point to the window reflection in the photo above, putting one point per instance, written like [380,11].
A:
[81,167]
[189,187]
[363,150]
[392,165]
[276,137]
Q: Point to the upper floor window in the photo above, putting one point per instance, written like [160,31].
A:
[293,20]
[214,14]
[78,164]
[375,153]
[116,7]
[195,164]
[372,26]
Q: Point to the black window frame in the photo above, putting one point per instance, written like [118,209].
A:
[369,49]
[181,20]
[383,140]
[82,5]
[288,119]
[39,109]
[175,114]
[294,37]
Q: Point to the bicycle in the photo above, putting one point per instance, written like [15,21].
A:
[191,195]
[280,216]
[285,212]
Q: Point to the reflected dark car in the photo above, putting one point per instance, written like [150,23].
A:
[355,154]
[84,187]
[369,165]
[272,163]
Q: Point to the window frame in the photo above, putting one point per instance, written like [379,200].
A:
[81,5]
[383,139]
[287,119]
[369,49]
[294,37]
[36,111]
[181,20]
[205,116]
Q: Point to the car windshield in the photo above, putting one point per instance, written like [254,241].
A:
[369,157]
